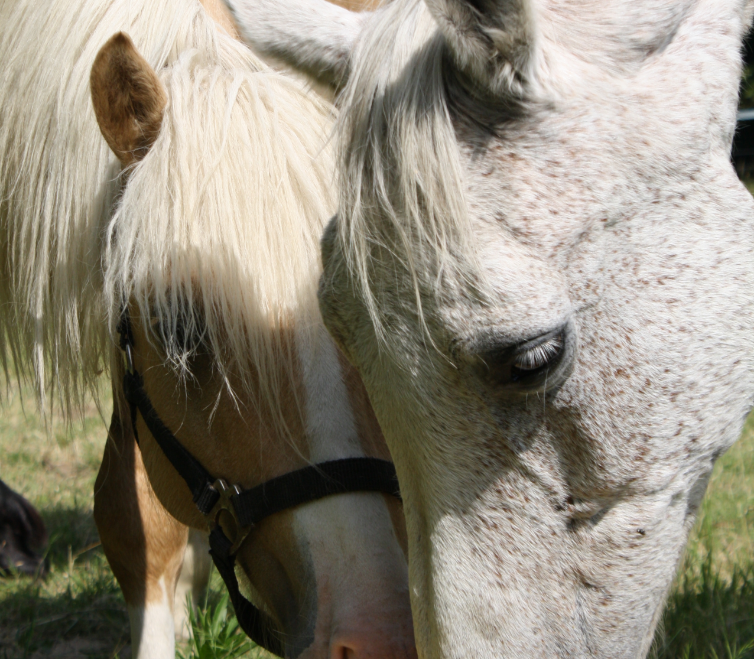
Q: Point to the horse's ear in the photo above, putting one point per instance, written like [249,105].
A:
[491,40]
[128,98]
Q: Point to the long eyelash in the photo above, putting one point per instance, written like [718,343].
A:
[540,355]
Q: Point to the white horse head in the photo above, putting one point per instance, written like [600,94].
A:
[542,266]
[206,229]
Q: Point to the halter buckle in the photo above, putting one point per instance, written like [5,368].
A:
[237,532]
[129,357]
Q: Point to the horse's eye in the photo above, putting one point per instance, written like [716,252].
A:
[179,339]
[528,365]
[543,352]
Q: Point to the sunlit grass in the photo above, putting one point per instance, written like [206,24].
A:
[78,611]
[710,613]
[215,633]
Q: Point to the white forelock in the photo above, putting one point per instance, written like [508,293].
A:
[399,157]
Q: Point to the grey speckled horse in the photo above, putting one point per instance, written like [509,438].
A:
[542,267]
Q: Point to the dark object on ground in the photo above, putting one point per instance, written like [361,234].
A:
[23,536]
[743,141]
[743,144]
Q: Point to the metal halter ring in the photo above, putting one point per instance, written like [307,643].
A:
[129,353]
[225,504]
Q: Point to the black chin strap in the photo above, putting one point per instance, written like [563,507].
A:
[235,510]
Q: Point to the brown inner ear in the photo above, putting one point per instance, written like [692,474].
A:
[128,98]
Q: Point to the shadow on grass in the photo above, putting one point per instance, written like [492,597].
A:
[72,533]
[78,611]
[708,616]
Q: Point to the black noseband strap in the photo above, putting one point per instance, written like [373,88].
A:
[312,483]
[246,508]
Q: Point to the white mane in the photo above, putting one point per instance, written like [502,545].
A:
[216,228]
[399,157]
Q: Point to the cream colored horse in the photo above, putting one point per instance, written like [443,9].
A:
[206,226]
[543,268]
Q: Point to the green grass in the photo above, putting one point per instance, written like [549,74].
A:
[710,612]
[78,610]
[215,633]
[79,613]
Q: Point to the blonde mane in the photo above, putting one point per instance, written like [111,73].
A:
[215,232]
[399,159]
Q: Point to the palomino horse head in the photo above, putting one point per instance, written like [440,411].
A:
[207,230]
[214,244]
[542,267]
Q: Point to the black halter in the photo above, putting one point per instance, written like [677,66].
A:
[242,509]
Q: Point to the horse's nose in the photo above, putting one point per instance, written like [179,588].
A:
[373,644]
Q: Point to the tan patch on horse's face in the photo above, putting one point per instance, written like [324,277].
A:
[357,5]
[220,14]
[274,562]
[367,426]
[128,98]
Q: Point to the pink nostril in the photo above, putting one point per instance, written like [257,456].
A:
[372,646]
[341,652]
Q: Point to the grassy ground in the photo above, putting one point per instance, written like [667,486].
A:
[78,612]
[710,612]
